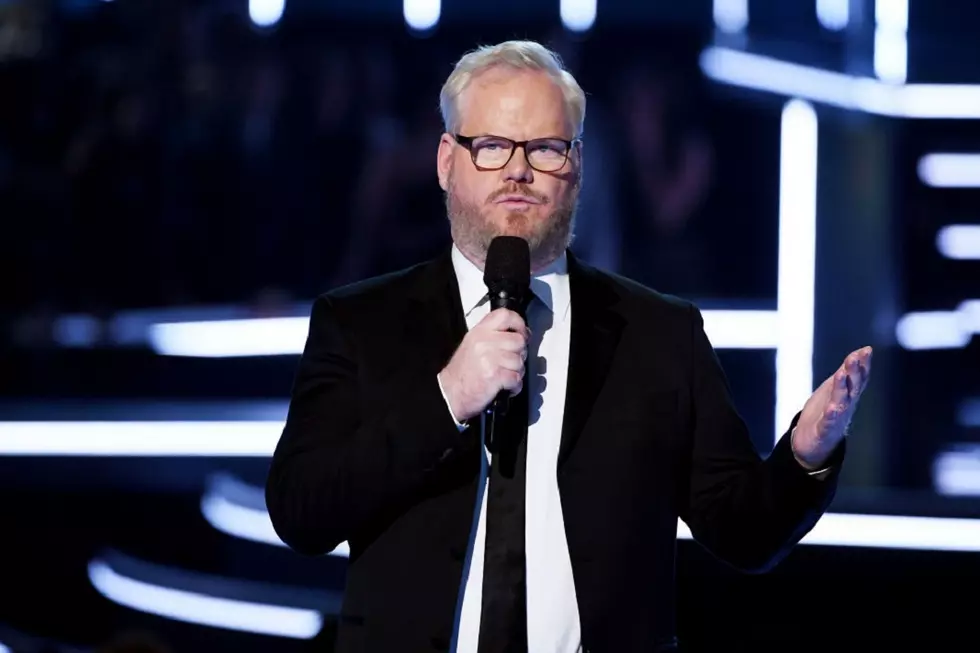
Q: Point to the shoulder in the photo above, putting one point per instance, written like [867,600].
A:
[657,332]
[381,288]
[634,299]
[384,292]
[367,309]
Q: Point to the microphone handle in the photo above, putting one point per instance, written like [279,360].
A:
[498,407]
[500,403]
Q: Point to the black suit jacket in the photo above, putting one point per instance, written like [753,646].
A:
[371,455]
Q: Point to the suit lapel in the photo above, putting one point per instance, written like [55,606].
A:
[595,332]
[435,323]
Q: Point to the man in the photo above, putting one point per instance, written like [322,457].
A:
[629,425]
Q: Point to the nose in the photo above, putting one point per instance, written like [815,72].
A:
[518,169]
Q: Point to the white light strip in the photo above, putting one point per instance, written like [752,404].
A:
[226,338]
[892,14]
[770,75]
[232,439]
[891,55]
[897,532]
[833,14]
[950,170]
[932,330]
[939,329]
[246,522]
[941,101]
[797,260]
[283,336]
[265,13]
[731,16]
[577,15]
[959,242]
[742,329]
[891,40]
[833,529]
[239,521]
[889,532]
[956,473]
[761,73]
[191,607]
[421,15]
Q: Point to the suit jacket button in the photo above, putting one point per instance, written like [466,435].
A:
[440,643]
[457,553]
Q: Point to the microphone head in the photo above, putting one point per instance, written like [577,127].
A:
[508,266]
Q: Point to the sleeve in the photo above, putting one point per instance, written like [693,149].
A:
[461,426]
[339,467]
[747,511]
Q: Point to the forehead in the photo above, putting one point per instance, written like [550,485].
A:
[517,104]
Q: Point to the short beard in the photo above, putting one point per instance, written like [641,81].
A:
[472,231]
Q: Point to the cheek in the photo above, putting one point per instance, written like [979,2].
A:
[472,189]
[556,190]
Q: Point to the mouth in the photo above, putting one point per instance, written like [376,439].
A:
[516,201]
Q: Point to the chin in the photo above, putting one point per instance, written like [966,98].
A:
[521,219]
[519,226]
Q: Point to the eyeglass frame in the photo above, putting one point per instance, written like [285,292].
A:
[467,142]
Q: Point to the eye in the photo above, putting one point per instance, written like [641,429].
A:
[490,143]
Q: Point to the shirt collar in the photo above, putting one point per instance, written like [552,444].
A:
[549,285]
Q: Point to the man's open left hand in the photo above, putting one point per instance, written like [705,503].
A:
[828,412]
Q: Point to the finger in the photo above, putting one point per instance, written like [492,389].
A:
[504,319]
[511,361]
[859,370]
[865,365]
[865,370]
[852,367]
[513,342]
[511,381]
[838,394]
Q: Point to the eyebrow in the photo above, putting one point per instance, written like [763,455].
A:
[534,138]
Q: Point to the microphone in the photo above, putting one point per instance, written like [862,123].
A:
[507,274]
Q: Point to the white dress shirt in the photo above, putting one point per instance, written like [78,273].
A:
[552,607]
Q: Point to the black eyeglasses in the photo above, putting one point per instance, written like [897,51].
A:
[495,152]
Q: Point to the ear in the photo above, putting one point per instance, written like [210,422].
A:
[444,160]
[577,154]
[575,161]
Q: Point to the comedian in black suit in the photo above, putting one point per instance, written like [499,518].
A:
[629,421]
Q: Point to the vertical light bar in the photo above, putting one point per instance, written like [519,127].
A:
[421,15]
[833,14]
[891,40]
[797,259]
[266,13]
[892,14]
[578,15]
[731,16]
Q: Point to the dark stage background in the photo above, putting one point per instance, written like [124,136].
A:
[179,179]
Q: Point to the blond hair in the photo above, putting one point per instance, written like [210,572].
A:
[518,55]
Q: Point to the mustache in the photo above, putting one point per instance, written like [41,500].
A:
[517,190]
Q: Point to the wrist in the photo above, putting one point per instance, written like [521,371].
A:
[447,395]
[809,460]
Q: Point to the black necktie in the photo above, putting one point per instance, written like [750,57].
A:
[503,620]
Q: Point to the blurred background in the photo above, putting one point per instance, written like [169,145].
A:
[180,178]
